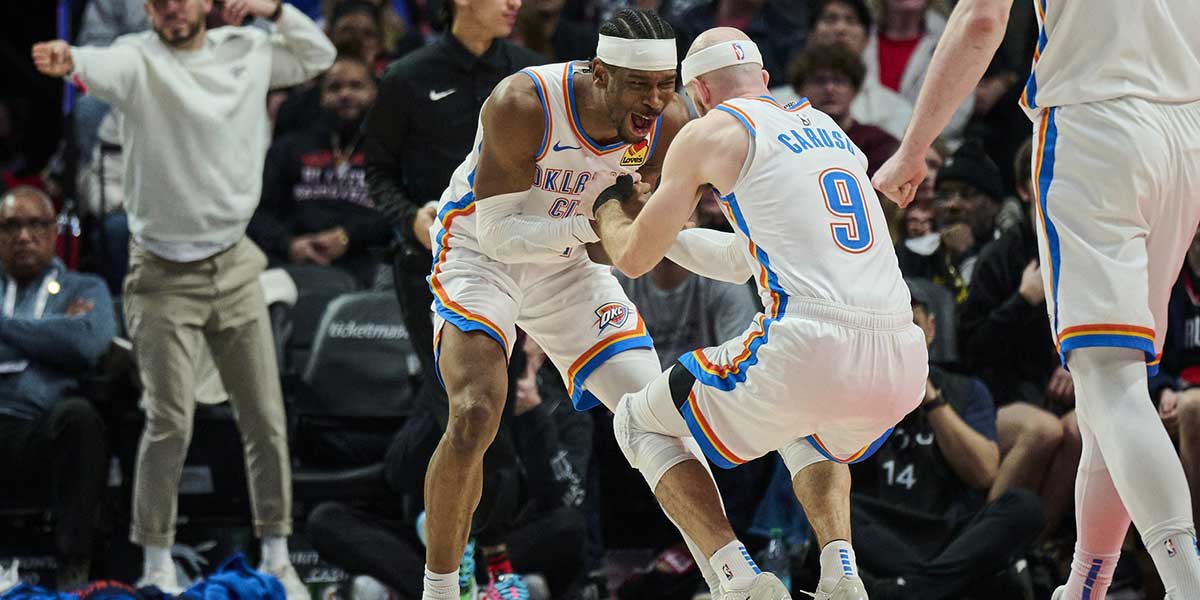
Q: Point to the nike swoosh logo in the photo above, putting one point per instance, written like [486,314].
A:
[436,95]
[558,148]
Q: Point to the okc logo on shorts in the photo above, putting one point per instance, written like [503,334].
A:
[613,314]
[738,52]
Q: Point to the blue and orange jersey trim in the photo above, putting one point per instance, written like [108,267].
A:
[796,106]
[1029,95]
[446,307]
[740,115]
[1110,335]
[1043,176]
[716,451]
[591,145]
[589,361]
[547,120]
[726,376]
[767,277]
[863,454]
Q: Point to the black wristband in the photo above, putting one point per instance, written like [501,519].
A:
[278,12]
[621,191]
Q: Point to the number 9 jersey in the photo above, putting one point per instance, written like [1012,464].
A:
[834,360]
[806,211]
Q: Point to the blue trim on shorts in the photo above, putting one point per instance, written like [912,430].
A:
[870,450]
[1045,178]
[714,456]
[585,400]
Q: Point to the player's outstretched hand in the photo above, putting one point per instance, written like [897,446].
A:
[900,176]
[53,58]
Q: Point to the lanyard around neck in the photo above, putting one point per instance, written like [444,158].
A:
[50,280]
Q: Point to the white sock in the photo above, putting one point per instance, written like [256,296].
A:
[736,567]
[275,551]
[157,558]
[440,586]
[1091,574]
[837,561]
[1178,561]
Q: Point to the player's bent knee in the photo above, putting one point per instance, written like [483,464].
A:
[650,452]
[473,422]
[799,454]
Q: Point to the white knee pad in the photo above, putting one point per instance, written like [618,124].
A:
[798,454]
[645,446]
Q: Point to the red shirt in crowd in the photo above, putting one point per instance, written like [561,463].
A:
[893,57]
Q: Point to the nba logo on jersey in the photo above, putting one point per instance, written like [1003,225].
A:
[612,314]
[1170,548]
[738,52]
[635,154]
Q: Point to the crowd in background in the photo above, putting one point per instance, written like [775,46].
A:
[971,497]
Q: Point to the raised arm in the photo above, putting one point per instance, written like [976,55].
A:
[710,150]
[972,36]
[512,139]
[109,73]
[299,49]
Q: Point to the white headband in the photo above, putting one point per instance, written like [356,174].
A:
[724,54]
[642,55]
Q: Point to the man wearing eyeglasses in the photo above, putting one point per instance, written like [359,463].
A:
[195,135]
[55,325]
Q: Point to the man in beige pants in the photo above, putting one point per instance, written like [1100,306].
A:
[196,134]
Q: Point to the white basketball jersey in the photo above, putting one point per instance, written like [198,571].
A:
[1091,50]
[566,162]
[805,210]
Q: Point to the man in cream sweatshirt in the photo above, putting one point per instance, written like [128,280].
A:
[195,136]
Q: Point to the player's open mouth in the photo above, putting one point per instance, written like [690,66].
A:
[641,124]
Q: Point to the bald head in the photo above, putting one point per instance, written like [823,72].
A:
[27,233]
[734,75]
[718,85]
[26,194]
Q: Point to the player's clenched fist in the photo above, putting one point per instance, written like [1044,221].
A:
[53,58]
[900,176]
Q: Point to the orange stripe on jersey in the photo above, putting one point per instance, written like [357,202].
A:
[546,112]
[735,365]
[569,98]
[599,347]
[1106,329]
[740,112]
[710,434]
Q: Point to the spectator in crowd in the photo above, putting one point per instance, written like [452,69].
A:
[548,536]
[399,36]
[830,76]
[918,221]
[922,527]
[542,28]
[777,26]
[847,22]
[422,125]
[55,326]
[967,200]
[101,188]
[356,27]
[1176,388]
[898,53]
[315,207]
[1006,341]
[192,96]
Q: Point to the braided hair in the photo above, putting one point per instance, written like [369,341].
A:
[637,24]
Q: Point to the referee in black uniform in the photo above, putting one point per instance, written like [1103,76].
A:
[420,129]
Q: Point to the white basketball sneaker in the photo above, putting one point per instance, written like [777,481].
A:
[846,589]
[766,587]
